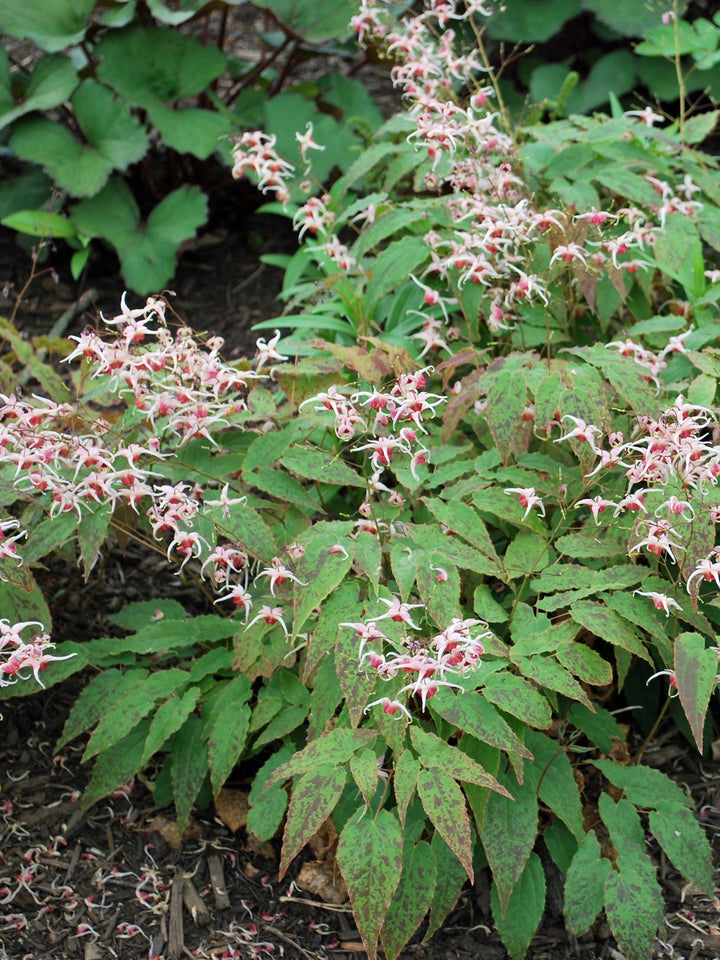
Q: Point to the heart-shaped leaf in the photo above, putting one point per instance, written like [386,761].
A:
[52,25]
[113,140]
[52,81]
[147,250]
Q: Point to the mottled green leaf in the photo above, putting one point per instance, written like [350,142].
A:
[369,855]
[585,885]
[508,833]
[412,898]
[188,767]
[445,805]
[313,799]
[695,673]
[684,842]
[520,918]
[226,743]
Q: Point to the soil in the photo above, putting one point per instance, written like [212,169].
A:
[118,882]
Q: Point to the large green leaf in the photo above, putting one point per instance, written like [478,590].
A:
[473,714]
[112,139]
[369,855]
[311,21]
[524,22]
[53,80]
[684,842]
[147,250]
[412,898]
[52,25]
[129,63]
[337,746]
[188,766]
[313,799]
[519,920]
[695,675]
[116,766]
[508,834]
[444,803]
[585,885]
[226,743]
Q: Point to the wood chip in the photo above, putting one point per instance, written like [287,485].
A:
[217,879]
[194,904]
[176,940]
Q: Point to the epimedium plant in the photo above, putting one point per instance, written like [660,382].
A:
[81,127]
[430,583]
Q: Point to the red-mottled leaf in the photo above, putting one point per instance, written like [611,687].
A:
[314,798]
[337,747]
[505,407]
[370,859]
[412,898]
[434,753]
[444,803]
[508,834]
[695,671]
[405,781]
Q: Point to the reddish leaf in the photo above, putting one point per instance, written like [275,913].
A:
[505,408]
[444,803]
[313,800]
[695,674]
[370,859]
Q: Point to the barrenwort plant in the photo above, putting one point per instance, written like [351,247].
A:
[444,540]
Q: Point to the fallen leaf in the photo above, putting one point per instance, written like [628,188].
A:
[320,877]
[232,807]
[262,848]
[168,830]
[324,843]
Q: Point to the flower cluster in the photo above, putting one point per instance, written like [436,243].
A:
[20,658]
[427,663]
[670,465]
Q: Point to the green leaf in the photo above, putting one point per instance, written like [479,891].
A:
[605,623]
[556,784]
[526,554]
[463,521]
[320,571]
[684,842]
[585,886]
[440,596]
[92,533]
[585,663]
[129,63]
[508,834]
[319,465]
[53,80]
[364,769]
[116,766]
[699,127]
[521,917]
[169,717]
[147,251]
[412,898]
[450,881]
[336,747]
[369,855]
[313,799]
[246,526]
[137,702]
[357,682]
[93,700]
[695,675]
[505,407]
[473,714]
[643,786]
[112,139]
[226,743]
[547,672]
[592,543]
[305,19]
[188,767]
[141,613]
[599,726]
[518,698]
[189,130]
[444,803]
[634,912]
[392,266]
[267,807]
[52,26]
[435,754]
[531,23]
[405,776]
